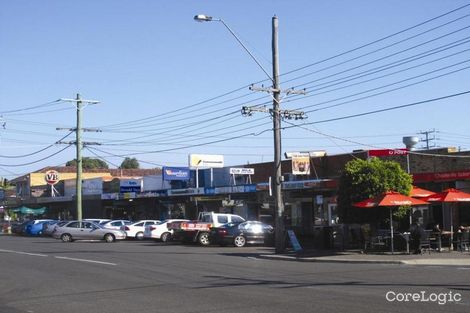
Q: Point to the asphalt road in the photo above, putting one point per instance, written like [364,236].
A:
[45,275]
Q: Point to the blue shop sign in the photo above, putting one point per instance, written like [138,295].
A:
[176,173]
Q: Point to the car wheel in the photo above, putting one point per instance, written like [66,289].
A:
[139,236]
[239,241]
[165,237]
[203,239]
[109,238]
[66,238]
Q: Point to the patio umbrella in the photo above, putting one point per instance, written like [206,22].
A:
[451,196]
[417,192]
[389,199]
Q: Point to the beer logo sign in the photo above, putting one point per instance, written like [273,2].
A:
[51,177]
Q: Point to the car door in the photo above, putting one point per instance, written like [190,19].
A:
[89,231]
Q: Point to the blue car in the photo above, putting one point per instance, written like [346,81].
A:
[34,228]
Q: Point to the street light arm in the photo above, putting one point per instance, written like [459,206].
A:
[244,47]
[205,18]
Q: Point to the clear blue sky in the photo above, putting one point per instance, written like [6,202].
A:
[152,67]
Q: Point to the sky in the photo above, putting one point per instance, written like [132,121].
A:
[373,72]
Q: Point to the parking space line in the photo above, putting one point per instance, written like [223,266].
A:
[26,253]
[84,260]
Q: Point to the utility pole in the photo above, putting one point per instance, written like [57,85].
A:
[79,146]
[276,113]
[428,139]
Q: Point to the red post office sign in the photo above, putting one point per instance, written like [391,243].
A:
[387,152]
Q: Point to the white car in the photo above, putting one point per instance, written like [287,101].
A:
[160,231]
[97,220]
[136,230]
[115,224]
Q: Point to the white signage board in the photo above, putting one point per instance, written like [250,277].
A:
[242,171]
[206,160]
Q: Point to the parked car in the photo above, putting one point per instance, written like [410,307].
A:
[34,228]
[75,230]
[97,220]
[48,228]
[136,230]
[115,224]
[160,231]
[18,228]
[240,234]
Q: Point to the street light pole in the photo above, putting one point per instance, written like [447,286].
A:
[276,114]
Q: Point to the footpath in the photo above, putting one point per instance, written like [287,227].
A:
[445,258]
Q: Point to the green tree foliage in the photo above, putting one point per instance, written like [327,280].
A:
[130,163]
[363,179]
[89,163]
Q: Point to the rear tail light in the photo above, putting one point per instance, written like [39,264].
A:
[127,228]
[152,228]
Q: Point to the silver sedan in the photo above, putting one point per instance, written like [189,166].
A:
[75,230]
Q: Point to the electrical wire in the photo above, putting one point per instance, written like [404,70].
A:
[33,153]
[37,161]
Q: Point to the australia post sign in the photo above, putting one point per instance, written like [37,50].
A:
[387,152]
[176,173]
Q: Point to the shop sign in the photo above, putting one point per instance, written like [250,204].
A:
[209,191]
[442,176]
[250,188]
[51,177]
[262,186]
[109,196]
[128,195]
[130,185]
[221,190]
[185,192]
[387,152]
[242,171]
[203,198]
[293,185]
[206,160]
[301,165]
[176,173]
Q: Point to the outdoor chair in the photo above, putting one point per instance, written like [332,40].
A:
[462,241]
[425,242]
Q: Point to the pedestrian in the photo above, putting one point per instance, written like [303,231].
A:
[417,233]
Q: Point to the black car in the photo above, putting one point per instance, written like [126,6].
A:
[240,234]
[19,228]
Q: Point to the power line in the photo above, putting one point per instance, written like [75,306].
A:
[33,153]
[32,107]
[295,70]
[386,109]
[37,161]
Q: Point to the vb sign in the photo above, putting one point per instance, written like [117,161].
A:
[52,177]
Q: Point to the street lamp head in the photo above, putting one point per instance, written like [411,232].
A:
[202,18]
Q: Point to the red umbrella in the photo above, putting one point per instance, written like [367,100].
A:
[449,195]
[417,192]
[389,199]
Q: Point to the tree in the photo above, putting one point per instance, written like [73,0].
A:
[89,163]
[362,179]
[129,163]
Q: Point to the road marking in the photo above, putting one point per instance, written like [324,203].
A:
[252,258]
[26,253]
[83,260]
[464,268]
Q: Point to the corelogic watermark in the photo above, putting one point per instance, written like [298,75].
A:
[424,296]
